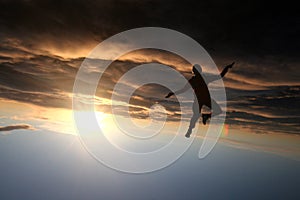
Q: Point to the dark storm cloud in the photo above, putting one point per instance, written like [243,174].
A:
[227,29]
[66,25]
[231,28]
[262,38]
[15,127]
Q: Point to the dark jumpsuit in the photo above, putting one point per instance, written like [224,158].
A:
[202,97]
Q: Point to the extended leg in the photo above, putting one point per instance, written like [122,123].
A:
[194,119]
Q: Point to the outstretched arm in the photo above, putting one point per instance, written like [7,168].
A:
[210,78]
[225,70]
[185,88]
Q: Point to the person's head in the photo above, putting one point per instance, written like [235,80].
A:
[197,69]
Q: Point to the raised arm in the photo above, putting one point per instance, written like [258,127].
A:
[185,88]
[225,70]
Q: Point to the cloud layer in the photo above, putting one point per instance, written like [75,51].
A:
[44,43]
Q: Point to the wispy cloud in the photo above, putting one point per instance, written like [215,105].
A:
[266,111]
[16,127]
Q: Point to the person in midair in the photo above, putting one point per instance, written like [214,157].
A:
[202,95]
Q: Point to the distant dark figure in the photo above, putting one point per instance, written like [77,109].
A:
[202,93]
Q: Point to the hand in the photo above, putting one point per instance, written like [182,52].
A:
[170,94]
[225,70]
[230,66]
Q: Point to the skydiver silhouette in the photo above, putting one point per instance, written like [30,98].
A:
[202,93]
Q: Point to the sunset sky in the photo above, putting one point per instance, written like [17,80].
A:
[43,43]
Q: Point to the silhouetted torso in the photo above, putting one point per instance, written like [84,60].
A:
[201,90]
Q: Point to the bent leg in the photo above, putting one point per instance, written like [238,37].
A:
[194,119]
[216,108]
[196,113]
